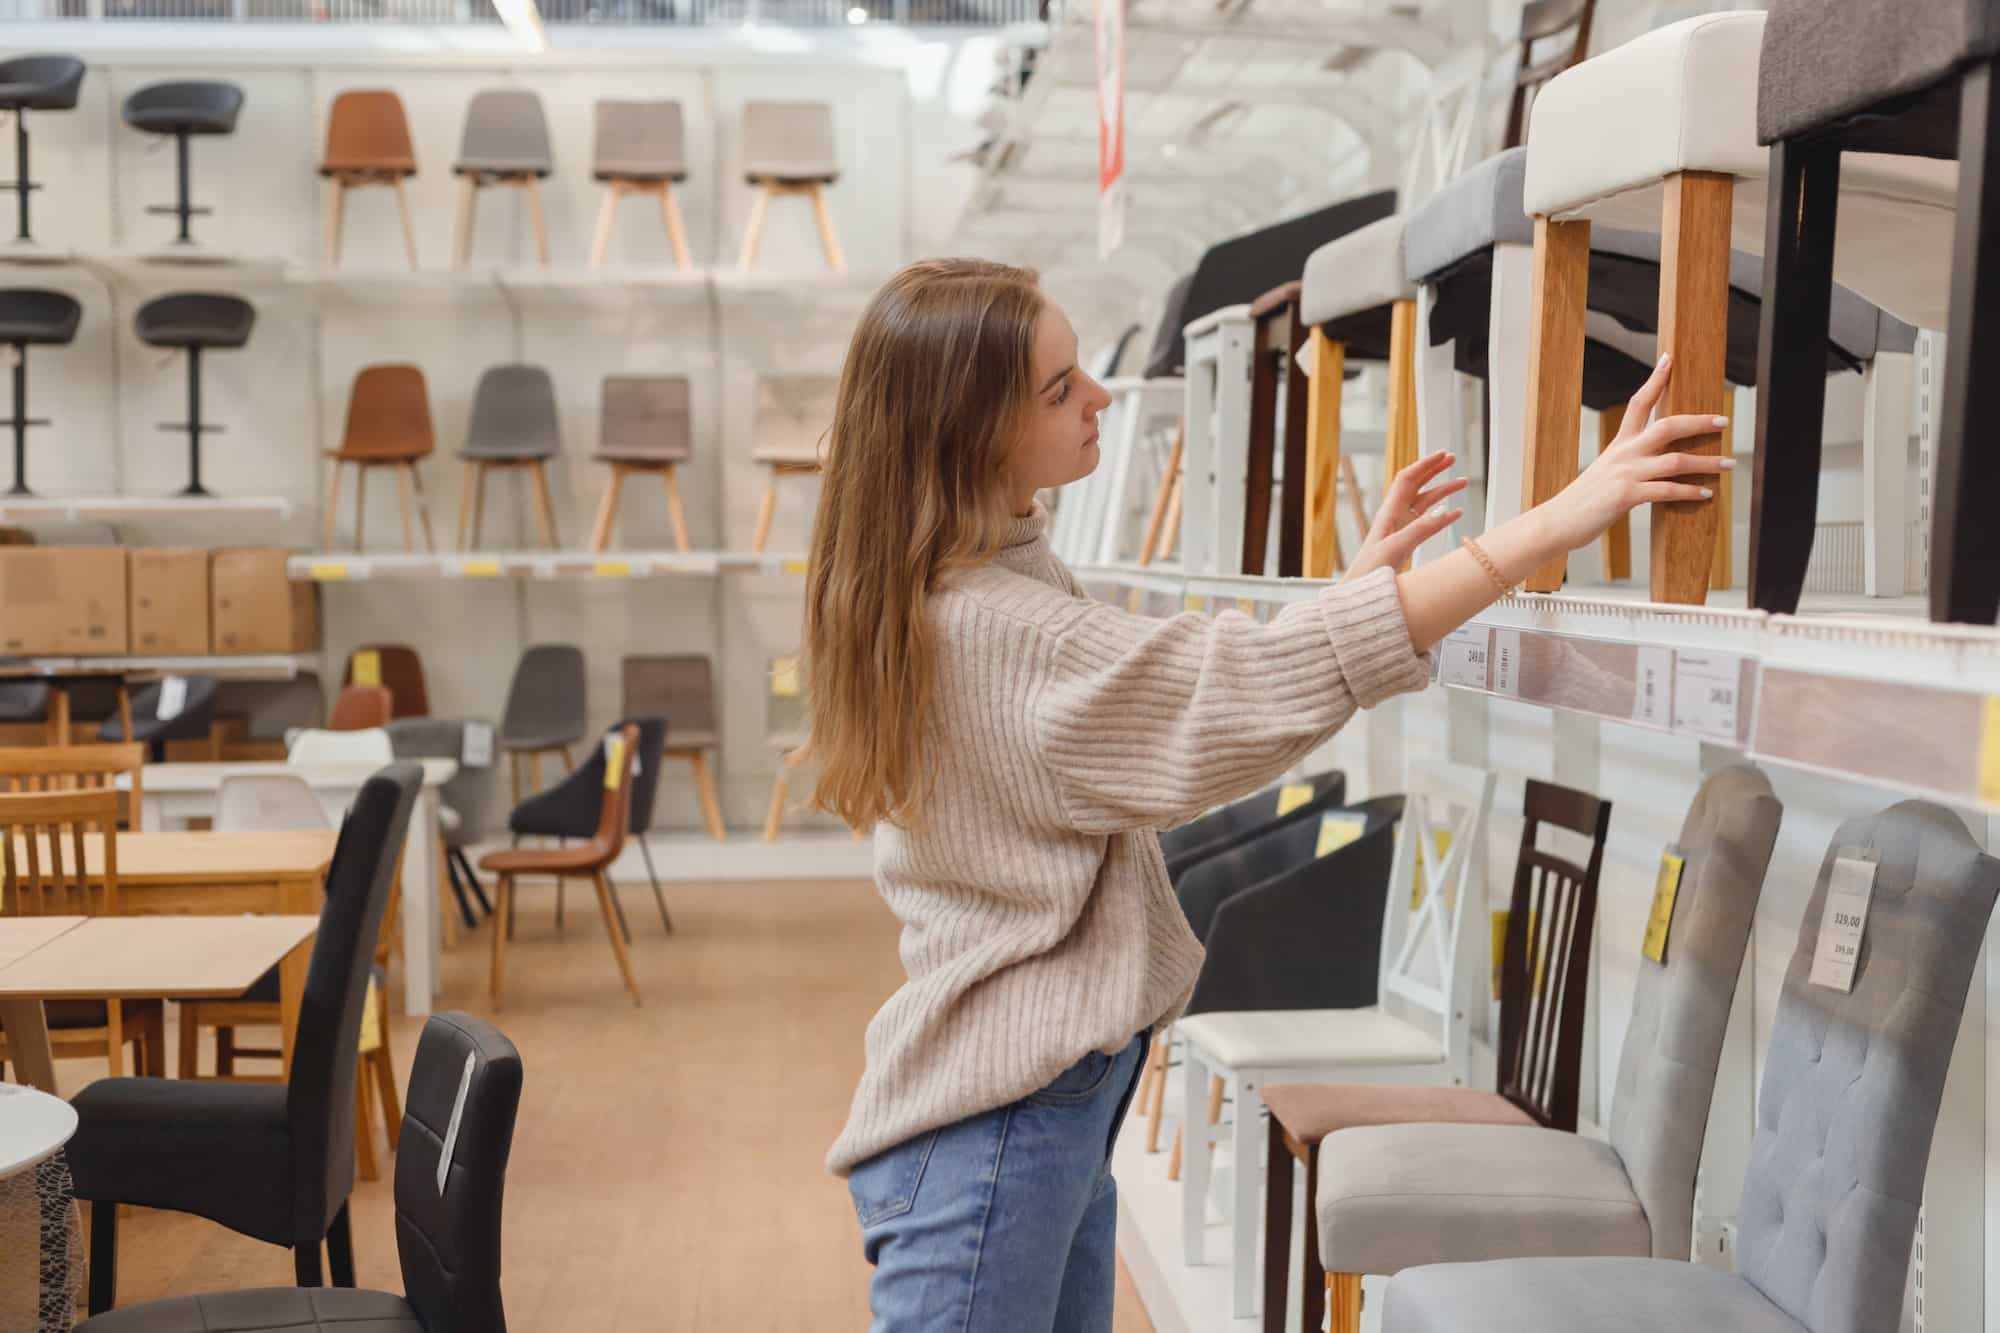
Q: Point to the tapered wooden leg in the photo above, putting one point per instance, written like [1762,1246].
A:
[114,1037]
[468,199]
[423,506]
[607,510]
[1215,1088]
[774,818]
[468,483]
[604,905]
[829,240]
[1402,430]
[545,509]
[1327,360]
[403,212]
[336,204]
[536,220]
[332,507]
[1156,521]
[1617,541]
[403,506]
[765,512]
[364,1128]
[503,902]
[361,508]
[1722,571]
[1312,1289]
[753,233]
[1694,299]
[670,210]
[674,511]
[607,213]
[711,809]
[1170,534]
[1343,1302]
[1174,1157]
[1555,372]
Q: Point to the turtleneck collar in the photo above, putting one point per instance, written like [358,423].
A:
[1025,529]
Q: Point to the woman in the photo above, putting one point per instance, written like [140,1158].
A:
[1016,746]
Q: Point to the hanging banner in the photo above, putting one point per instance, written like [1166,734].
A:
[1110,126]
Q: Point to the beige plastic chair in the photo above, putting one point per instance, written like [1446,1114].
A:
[680,688]
[788,150]
[641,149]
[643,427]
[791,415]
[505,142]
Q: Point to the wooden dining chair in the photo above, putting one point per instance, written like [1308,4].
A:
[641,149]
[1545,21]
[788,151]
[59,768]
[367,143]
[506,142]
[42,873]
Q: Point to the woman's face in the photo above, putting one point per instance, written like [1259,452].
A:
[1058,441]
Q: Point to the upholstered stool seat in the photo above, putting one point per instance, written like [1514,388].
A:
[1316,1038]
[184,109]
[195,319]
[34,83]
[1580,1295]
[1352,281]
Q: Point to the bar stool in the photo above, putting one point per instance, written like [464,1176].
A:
[642,427]
[32,316]
[641,149]
[184,110]
[514,425]
[680,688]
[34,83]
[788,150]
[367,143]
[195,320]
[506,142]
[388,425]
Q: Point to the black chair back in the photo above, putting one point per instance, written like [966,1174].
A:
[570,809]
[1239,821]
[451,1173]
[1268,853]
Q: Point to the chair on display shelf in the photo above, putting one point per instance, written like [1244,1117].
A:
[514,425]
[1252,817]
[1565,25]
[792,417]
[787,149]
[395,667]
[361,708]
[1395,1196]
[570,809]
[31,317]
[641,148]
[590,860]
[1542,986]
[464,803]
[367,143]
[196,322]
[197,1147]
[545,713]
[184,109]
[1852,1083]
[34,83]
[465,1090]
[36,879]
[505,142]
[1681,101]
[643,427]
[681,689]
[177,708]
[388,425]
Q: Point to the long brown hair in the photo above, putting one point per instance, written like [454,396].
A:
[938,375]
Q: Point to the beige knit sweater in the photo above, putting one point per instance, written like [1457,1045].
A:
[1038,922]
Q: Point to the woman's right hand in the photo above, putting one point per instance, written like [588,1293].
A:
[1636,468]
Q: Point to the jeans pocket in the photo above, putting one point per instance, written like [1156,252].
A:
[885,1186]
[1079,1083]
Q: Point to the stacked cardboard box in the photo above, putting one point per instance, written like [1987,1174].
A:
[74,601]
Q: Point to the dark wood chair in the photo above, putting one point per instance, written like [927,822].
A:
[1542,20]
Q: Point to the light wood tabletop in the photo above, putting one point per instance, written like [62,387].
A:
[164,860]
[22,935]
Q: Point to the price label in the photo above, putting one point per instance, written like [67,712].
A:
[1705,694]
[479,569]
[476,746]
[1194,602]
[1666,888]
[327,573]
[173,698]
[1293,795]
[1464,655]
[793,567]
[1652,694]
[1507,663]
[1336,831]
[614,762]
[1842,922]
[1989,752]
[367,666]
[612,569]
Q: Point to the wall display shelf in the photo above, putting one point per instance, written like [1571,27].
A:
[117,507]
[250,667]
[342,567]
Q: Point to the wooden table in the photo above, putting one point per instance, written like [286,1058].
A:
[131,958]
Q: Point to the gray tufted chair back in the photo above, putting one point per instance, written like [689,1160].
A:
[1680,1008]
[1852,1082]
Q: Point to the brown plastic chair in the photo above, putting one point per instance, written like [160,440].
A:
[359,707]
[506,142]
[642,427]
[681,689]
[388,425]
[367,143]
[588,861]
[791,414]
[641,149]
[397,669]
[788,150]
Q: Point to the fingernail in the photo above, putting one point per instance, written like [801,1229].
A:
[1719,421]
[1707,494]
[1728,463]
[1666,357]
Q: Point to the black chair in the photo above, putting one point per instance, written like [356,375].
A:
[447,1239]
[570,809]
[1274,852]
[464,800]
[1110,356]
[268,1160]
[193,721]
[34,83]
[31,316]
[195,320]
[23,700]
[183,110]
[1240,821]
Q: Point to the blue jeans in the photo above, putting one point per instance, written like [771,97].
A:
[1004,1222]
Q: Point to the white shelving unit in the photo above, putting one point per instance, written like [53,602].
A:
[343,567]
[71,509]
[269,667]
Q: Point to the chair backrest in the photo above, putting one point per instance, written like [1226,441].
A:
[678,687]
[388,413]
[547,691]
[1545,962]
[397,669]
[785,139]
[1541,20]
[505,126]
[645,416]
[367,130]
[208,99]
[1255,815]
[361,707]
[639,138]
[451,1172]
[267,802]
[792,416]
[314,746]
[319,1098]
[1272,851]
[55,79]
[1680,1007]
[43,865]
[514,414]
[53,768]
[1852,1081]
[469,793]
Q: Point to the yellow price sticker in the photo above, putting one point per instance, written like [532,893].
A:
[1247,607]
[1293,795]
[1336,831]
[488,569]
[1660,920]
[1443,840]
[795,566]
[324,572]
[614,762]
[367,667]
[612,569]
[1194,602]
[785,678]
[1500,920]
[1989,752]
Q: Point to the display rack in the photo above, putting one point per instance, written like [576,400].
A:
[71,509]
[346,567]
[283,666]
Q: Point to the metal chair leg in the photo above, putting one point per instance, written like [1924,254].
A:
[666,918]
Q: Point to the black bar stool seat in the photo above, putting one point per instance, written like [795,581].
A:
[184,109]
[195,321]
[34,83]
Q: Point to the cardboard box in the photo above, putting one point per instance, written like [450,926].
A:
[62,600]
[169,600]
[255,608]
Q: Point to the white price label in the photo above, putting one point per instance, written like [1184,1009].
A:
[173,698]
[476,749]
[1653,691]
[1507,663]
[1706,699]
[1463,656]
[1842,922]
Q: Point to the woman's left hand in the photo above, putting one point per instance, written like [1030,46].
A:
[1410,515]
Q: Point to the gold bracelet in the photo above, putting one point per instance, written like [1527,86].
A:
[1486,563]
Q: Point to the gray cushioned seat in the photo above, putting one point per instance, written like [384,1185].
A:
[1630,1295]
[505,134]
[199,107]
[1356,274]
[195,319]
[1476,211]
[513,415]
[1825,60]
[37,316]
[40,83]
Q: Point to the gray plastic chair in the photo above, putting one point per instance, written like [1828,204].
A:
[680,688]
[545,709]
[196,321]
[32,316]
[643,427]
[184,110]
[641,148]
[514,424]
[34,83]
[787,149]
[465,802]
[1850,1097]
[505,142]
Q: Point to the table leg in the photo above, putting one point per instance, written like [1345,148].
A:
[28,1043]
[58,712]
[421,945]
[291,994]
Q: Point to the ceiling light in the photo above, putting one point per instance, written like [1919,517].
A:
[524,19]
[857,16]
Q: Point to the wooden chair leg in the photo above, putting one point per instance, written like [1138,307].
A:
[1356,505]
[403,212]
[1174,1157]
[448,918]
[670,210]
[1328,361]
[364,1127]
[361,507]
[711,809]
[1722,572]
[403,506]
[545,509]
[468,201]
[1402,428]
[114,1037]
[829,240]
[1158,1100]
[503,902]
[1694,301]
[617,939]
[1312,1290]
[336,204]
[765,512]
[535,219]
[774,818]
[468,486]
[674,511]
[607,509]
[1261,460]
[1616,548]
[332,508]
[753,233]
[1170,533]
[607,213]
[1156,521]
[423,506]
[478,505]
[1215,1090]
[1343,1300]
[1555,372]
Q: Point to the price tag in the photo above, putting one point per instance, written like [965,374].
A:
[1652,696]
[1989,752]
[1194,602]
[785,678]
[1293,795]
[366,668]
[612,569]
[1705,694]
[173,698]
[1666,888]
[479,569]
[327,573]
[1843,919]
[614,762]
[794,567]
[1464,656]
[1507,663]
[1337,830]
[457,1115]
[476,745]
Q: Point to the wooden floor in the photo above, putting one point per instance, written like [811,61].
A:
[667,1171]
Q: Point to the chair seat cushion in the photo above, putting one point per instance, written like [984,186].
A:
[1311,1111]
[654,454]
[195,319]
[1477,211]
[1356,272]
[1394,1196]
[790,173]
[529,734]
[1824,62]
[183,120]
[1309,1039]
[291,1309]
[1277,298]
[1577,1296]
[40,83]
[38,316]
[23,701]
[787,455]
[577,858]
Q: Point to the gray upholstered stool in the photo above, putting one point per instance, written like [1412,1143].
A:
[32,316]
[791,416]
[680,688]
[514,425]
[505,142]
[641,149]
[197,321]
[1392,1197]
[788,150]
[642,427]
[1850,1095]
[184,110]
[34,83]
